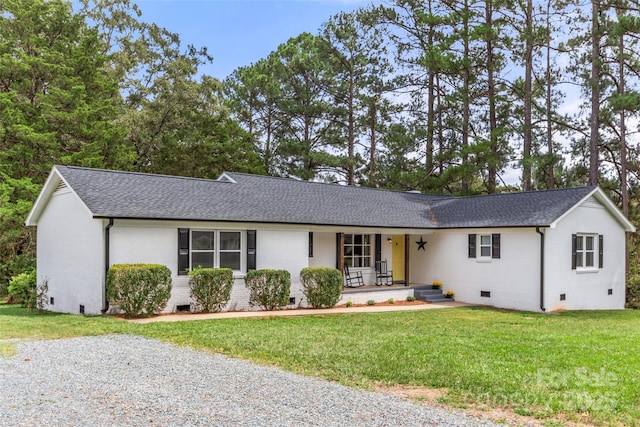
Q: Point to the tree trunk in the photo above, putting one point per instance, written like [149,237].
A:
[623,144]
[550,150]
[594,161]
[528,77]
[466,107]
[351,131]
[430,109]
[372,144]
[491,97]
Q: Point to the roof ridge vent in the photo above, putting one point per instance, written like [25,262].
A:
[226,178]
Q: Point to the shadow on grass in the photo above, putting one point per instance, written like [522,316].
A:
[16,310]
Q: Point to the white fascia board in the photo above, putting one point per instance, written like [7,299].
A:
[47,190]
[613,209]
[49,187]
[226,178]
[609,206]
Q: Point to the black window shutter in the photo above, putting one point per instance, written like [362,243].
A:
[378,251]
[251,250]
[183,251]
[472,245]
[495,246]
[600,250]
[339,250]
[311,244]
[574,253]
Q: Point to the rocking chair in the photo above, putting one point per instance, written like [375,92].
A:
[383,276]
[352,280]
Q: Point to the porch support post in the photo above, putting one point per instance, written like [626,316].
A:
[340,252]
[406,259]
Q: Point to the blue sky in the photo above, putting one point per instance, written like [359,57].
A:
[240,32]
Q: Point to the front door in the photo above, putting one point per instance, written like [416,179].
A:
[397,258]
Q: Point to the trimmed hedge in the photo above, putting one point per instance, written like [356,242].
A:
[139,288]
[321,285]
[269,288]
[210,288]
[633,291]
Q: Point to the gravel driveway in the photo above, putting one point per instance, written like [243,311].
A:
[120,380]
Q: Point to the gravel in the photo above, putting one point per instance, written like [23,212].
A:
[122,380]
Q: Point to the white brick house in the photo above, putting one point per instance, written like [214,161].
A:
[537,251]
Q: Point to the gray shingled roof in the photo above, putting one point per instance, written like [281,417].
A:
[531,208]
[253,198]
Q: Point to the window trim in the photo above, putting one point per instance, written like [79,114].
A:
[475,246]
[579,256]
[217,249]
[480,246]
[239,251]
[362,245]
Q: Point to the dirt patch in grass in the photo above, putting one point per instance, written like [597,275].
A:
[431,396]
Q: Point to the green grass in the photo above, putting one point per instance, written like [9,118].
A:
[581,366]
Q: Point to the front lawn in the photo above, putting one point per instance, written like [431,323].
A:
[581,366]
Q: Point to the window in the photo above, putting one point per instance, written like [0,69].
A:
[202,249]
[357,250]
[585,246]
[484,246]
[230,250]
[211,249]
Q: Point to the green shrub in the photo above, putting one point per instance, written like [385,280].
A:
[321,285]
[633,291]
[269,288]
[411,298]
[211,288]
[371,302]
[349,304]
[391,301]
[139,288]
[23,289]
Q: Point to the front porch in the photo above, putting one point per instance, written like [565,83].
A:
[398,292]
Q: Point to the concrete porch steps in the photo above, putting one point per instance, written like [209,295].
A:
[426,293]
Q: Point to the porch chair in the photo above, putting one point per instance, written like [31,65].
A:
[352,280]
[383,276]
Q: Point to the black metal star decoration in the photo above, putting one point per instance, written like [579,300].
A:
[421,244]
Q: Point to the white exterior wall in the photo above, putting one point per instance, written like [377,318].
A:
[284,250]
[513,279]
[133,242]
[70,254]
[585,290]
[324,250]
[157,242]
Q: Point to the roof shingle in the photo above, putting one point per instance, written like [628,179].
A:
[253,198]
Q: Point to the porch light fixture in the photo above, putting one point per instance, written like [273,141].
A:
[389,240]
